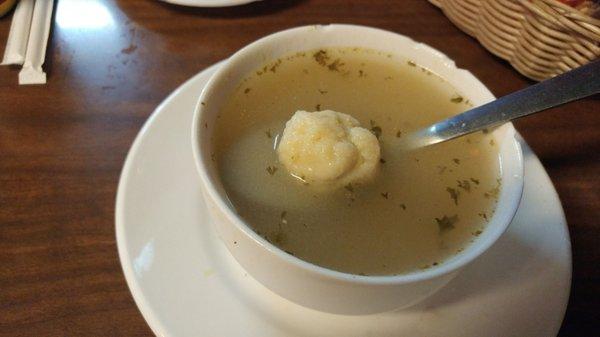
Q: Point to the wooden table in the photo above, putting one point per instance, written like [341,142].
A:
[109,64]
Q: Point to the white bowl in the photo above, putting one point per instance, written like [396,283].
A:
[300,281]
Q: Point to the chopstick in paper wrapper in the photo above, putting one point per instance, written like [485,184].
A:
[32,72]
[16,45]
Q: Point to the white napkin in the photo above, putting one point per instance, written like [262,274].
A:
[16,45]
[32,72]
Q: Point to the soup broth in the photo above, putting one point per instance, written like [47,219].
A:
[422,207]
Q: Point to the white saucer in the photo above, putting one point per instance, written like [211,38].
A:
[186,284]
[210,3]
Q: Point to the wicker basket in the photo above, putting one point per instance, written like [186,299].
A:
[540,38]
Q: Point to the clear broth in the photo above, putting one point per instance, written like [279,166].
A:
[422,208]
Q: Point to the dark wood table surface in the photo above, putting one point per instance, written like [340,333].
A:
[110,63]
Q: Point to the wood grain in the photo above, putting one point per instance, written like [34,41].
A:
[62,146]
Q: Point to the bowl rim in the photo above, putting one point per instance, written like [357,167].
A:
[455,263]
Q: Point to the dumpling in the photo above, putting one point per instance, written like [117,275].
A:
[328,147]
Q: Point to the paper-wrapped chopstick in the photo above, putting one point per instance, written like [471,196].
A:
[32,72]
[16,45]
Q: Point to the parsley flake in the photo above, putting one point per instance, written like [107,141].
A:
[456,99]
[271,170]
[453,194]
[446,223]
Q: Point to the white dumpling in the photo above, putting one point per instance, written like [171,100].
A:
[328,147]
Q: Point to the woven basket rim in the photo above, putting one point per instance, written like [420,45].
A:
[539,38]
[572,13]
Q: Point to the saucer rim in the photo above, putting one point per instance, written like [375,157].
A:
[142,302]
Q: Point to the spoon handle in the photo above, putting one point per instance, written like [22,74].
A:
[575,84]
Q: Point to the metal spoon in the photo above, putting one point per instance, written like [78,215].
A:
[572,85]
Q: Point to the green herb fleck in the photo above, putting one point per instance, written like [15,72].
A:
[349,188]
[318,107]
[483,215]
[271,170]
[456,161]
[321,57]
[465,185]
[403,206]
[453,194]
[322,91]
[247,90]
[335,65]
[203,103]
[381,160]
[398,134]
[493,193]
[275,66]
[477,233]
[361,73]
[456,99]
[446,223]
[264,70]
[287,251]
